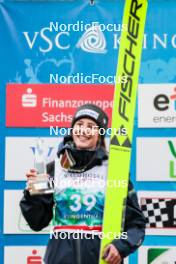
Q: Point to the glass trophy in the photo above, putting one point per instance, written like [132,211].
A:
[43,184]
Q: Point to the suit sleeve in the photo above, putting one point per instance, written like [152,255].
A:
[38,210]
[134,226]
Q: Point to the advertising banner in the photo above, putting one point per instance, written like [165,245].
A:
[18,225]
[24,254]
[157,255]
[16,166]
[27,254]
[159,209]
[157,105]
[156,159]
[53,104]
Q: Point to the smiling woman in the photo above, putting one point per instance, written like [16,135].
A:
[79,173]
[85,135]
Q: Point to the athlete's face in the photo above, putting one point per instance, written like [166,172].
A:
[85,134]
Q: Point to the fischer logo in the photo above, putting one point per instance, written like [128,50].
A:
[163,102]
[119,140]
[93,41]
[29,99]
[129,63]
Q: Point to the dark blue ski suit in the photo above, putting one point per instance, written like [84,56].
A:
[38,212]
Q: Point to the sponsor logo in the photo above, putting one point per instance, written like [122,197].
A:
[161,256]
[93,41]
[24,254]
[88,112]
[44,41]
[172,149]
[157,105]
[163,102]
[55,106]
[30,150]
[157,254]
[159,209]
[48,151]
[120,141]
[159,212]
[156,159]
[29,99]
[34,258]
[129,61]
[125,102]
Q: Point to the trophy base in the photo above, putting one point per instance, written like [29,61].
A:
[42,185]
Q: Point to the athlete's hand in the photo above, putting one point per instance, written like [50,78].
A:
[33,177]
[111,255]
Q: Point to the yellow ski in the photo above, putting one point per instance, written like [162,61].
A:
[123,117]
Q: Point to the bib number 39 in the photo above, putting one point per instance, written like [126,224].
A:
[88,200]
